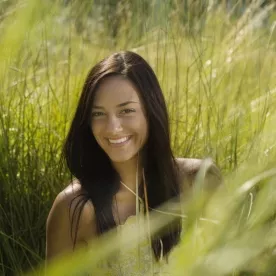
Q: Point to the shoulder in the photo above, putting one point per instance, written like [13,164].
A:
[188,166]
[187,169]
[62,226]
[68,199]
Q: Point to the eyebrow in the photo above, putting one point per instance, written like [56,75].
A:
[118,105]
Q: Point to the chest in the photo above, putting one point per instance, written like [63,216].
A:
[124,206]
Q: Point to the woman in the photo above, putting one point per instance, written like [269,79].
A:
[118,147]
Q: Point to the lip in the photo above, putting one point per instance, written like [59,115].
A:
[119,144]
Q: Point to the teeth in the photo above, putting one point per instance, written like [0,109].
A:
[118,141]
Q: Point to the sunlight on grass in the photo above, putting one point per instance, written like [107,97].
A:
[218,73]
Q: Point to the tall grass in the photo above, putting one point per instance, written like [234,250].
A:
[218,74]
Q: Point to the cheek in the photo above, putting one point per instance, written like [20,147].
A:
[96,130]
[96,127]
[143,129]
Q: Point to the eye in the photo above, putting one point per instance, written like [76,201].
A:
[128,110]
[97,114]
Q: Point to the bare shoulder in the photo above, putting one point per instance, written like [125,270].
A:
[61,226]
[189,167]
[69,199]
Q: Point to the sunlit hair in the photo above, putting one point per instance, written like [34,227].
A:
[92,167]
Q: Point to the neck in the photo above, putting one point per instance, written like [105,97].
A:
[127,172]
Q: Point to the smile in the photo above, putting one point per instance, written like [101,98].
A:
[120,141]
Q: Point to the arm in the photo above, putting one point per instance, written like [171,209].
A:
[59,224]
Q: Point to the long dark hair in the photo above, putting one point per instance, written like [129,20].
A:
[92,167]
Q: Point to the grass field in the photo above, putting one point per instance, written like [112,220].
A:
[217,68]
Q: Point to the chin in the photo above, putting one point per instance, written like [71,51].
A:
[121,159]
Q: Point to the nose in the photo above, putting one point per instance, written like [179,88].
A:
[113,125]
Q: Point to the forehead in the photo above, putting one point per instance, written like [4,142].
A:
[115,90]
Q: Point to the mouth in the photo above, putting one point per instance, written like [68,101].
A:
[118,142]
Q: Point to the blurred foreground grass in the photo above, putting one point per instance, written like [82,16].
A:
[217,69]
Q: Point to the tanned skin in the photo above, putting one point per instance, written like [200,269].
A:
[58,227]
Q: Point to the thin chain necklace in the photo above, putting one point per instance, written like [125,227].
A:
[147,209]
[130,190]
[117,209]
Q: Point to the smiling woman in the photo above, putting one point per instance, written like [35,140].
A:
[119,123]
[118,149]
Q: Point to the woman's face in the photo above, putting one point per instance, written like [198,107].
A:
[118,119]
